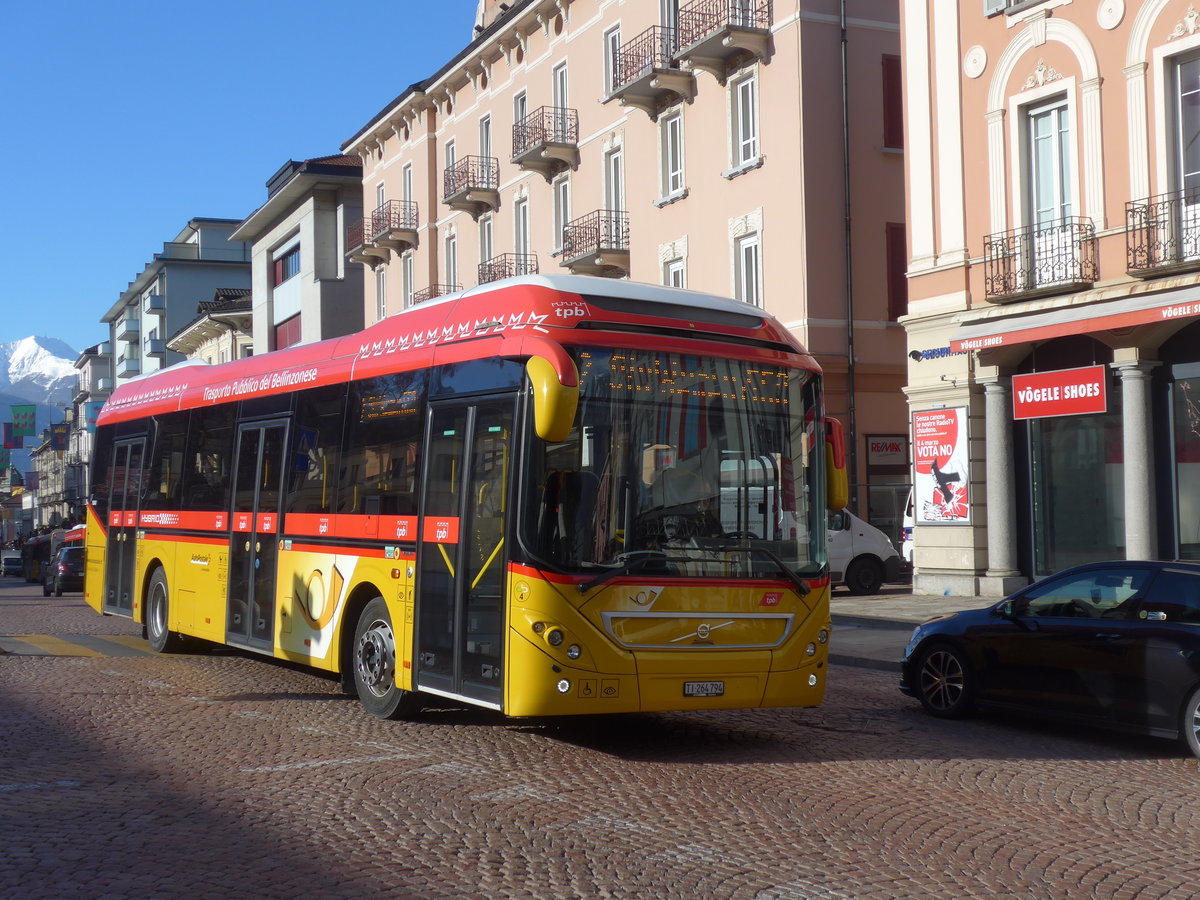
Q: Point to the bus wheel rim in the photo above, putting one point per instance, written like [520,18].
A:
[377,658]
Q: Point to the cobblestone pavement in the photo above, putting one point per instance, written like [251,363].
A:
[232,776]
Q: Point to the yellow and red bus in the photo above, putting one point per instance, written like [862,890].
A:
[543,496]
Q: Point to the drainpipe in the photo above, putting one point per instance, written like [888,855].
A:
[851,413]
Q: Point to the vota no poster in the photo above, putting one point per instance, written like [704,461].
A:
[941,482]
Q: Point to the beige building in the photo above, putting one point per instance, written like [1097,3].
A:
[693,144]
[1053,175]
[222,330]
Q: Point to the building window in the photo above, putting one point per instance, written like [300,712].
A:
[407,264]
[451,258]
[485,240]
[451,155]
[520,107]
[287,265]
[674,273]
[380,294]
[485,137]
[671,163]
[287,332]
[893,104]
[406,179]
[379,195]
[562,209]
[896,254]
[612,57]
[1049,162]
[743,94]
[614,180]
[668,13]
[747,275]
[521,225]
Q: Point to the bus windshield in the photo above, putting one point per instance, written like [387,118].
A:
[689,465]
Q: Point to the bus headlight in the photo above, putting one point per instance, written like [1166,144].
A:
[573,652]
[823,636]
[812,680]
[563,686]
[554,637]
[811,649]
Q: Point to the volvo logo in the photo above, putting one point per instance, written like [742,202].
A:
[702,633]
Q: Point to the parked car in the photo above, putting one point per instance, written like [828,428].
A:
[65,572]
[1113,644]
[860,555]
[906,535]
[12,562]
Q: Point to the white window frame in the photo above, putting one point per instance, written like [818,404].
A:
[485,136]
[407,265]
[670,133]
[406,178]
[451,154]
[747,268]
[486,234]
[520,107]
[612,47]
[675,273]
[380,293]
[560,85]
[380,195]
[614,180]
[521,226]
[451,269]
[561,187]
[745,147]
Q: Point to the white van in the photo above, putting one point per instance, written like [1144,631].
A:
[860,555]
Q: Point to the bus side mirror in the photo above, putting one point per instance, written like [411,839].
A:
[554,403]
[837,484]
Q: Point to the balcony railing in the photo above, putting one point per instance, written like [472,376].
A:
[597,243]
[128,329]
[435,290]
[715,34]
[645,73]
[472,184]
[127,366]
[507,265]
[1040,259]
[1162,234]
[359,246]
[394,225]
[547,140]
[355,236]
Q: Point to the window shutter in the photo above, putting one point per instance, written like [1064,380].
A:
[992,7]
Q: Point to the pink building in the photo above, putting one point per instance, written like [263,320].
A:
[692,144]
[1053,158]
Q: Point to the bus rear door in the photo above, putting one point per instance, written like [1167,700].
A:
[125,481]
[254,536]
[460,594]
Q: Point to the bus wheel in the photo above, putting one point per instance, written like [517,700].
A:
[374,662]
[161,638]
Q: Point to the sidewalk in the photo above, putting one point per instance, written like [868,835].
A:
[871,632]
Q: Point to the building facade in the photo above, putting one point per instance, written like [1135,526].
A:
[222,330]
[742,147]
[163,297]
[1053,175]
[304,288]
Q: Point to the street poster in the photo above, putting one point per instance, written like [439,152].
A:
[941,482]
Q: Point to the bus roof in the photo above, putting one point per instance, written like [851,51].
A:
[515,318]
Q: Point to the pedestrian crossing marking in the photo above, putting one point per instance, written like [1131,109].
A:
[53,645]
[88,646]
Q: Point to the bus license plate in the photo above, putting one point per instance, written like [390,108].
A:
[704,689]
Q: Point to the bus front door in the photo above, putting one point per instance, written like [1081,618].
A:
[125,489]
[460,594]
[254,538]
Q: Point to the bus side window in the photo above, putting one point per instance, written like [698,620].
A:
[207,461]
[381,460]
[316,445]
[165,460]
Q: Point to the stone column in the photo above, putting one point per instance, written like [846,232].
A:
[1141,532]
[1002,576]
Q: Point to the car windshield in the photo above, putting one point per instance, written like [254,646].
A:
[685,464]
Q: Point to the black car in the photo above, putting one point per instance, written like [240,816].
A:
[65,572]
[1114,644]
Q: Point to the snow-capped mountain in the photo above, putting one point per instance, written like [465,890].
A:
[38,370]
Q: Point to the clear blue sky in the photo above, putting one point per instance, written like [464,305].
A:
[121,121]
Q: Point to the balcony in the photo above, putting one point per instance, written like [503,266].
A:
[104,384]
[645,74]
[1052,258]
[128,329]
[157,304]
[718,35]
[547,141]
[435,290]
[1162,234]
[507,265]
[394,226]
[597,244]
[155,346]
[358,248]
[472,185]
[128,366]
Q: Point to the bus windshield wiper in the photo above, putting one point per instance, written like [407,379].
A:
[802,587]
[627,563]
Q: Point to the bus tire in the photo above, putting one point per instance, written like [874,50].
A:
[373,659]
[161,638]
